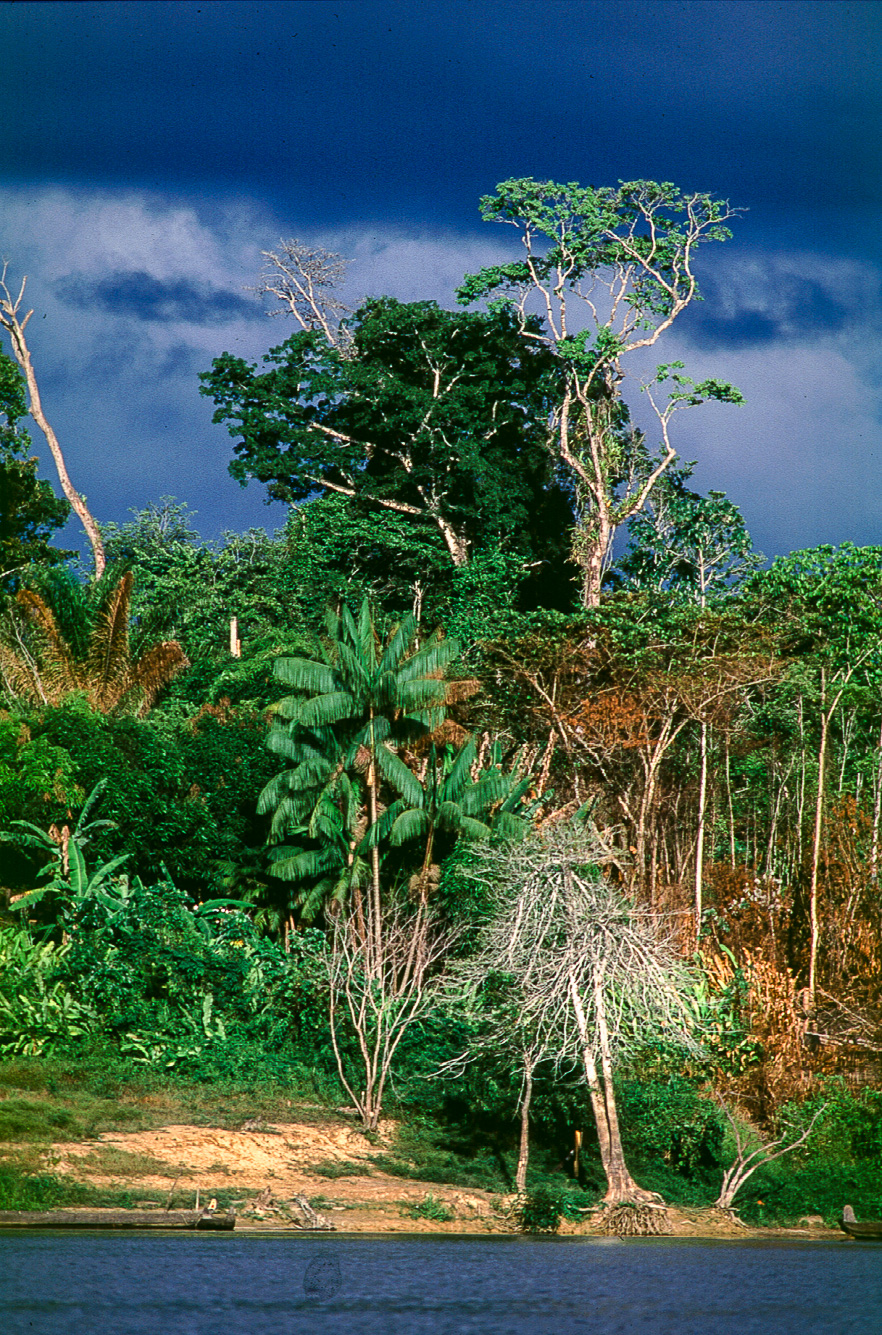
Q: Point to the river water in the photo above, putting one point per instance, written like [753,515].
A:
[117,1284]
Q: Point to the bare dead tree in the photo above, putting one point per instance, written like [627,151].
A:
[302,279]
[14,325]
[383,976]
[748,1160]
[593,978]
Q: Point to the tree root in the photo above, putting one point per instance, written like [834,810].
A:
[633,1219]
[729,1213]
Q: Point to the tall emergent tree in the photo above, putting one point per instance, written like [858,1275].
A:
[691,546]
[301,280]
[610,270]
[431,415]
[9,320]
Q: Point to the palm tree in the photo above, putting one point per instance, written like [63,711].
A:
[342,731]
[451,801]
[81,647]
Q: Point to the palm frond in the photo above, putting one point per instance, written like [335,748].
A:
[307,862]
[153,671]
[306,675]
[485,793]
[474,829]
[509,826]
[108,661]
[398,644]
[460,772]
[422,693]
[352,669]
[450,816]
[367,636]
[430,660]
[402,779]
[372,733]
[411,824]
[20,675]
[58,666]
[322,710]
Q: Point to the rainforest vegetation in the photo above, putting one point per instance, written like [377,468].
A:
[506,789]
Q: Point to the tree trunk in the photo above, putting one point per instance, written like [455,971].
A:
[699,841]
[877,816]
[375,852]
[15,328]
[524,1146]
[816,843]
[620,1185]
[590,553]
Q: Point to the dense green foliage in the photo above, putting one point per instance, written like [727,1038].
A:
[431,416]
[211,852]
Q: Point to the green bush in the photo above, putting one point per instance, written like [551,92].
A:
[38,1014]
[849,1130]
[541,1211]
[20,1190]
[195,988]
[334,1168]
[430,1208]
[667,1122]
[781,1194]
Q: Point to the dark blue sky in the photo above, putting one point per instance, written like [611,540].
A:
[151,151]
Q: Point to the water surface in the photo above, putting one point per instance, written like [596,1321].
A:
[106,1284]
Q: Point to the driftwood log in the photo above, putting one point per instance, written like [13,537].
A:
[313,1221]
[195,1219]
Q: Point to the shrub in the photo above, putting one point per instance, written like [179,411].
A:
[782,1195]
[20,1190]
[430,1208]
[38,1015]
[541,1211]
[668,1122]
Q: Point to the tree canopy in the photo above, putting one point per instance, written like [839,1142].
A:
[610,270]
[433,415]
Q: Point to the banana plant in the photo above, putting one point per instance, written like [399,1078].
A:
[78,888]
[56,842]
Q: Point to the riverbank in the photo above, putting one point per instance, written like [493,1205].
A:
[260,1169]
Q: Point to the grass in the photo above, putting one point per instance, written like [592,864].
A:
[425,1153]
[339,1168]
[44,1100]
[110,1161]
[23,1190]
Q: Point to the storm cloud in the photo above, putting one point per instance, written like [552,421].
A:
[152,151]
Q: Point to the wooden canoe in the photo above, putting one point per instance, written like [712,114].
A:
[194,1219]
[871,1229]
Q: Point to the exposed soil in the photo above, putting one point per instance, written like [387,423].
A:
[265,1167]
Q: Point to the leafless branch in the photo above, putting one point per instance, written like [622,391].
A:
[302,280]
